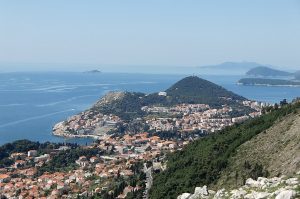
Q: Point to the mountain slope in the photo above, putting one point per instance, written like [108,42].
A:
[267,72]
[277,150]
[202,162]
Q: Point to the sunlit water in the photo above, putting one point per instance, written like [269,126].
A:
[31,103]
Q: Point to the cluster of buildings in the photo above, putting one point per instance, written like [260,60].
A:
[93,174]
[178,109]
[255,105]
[85,124]
[191,117]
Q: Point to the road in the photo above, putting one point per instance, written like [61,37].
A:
[149,180]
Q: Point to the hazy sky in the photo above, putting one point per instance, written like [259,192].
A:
[82,33]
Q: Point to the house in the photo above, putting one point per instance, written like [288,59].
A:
[43,158]
[94,160]
[18,155]
[32,153]
[4,178]
[162,93]
[19,164]
[82,161]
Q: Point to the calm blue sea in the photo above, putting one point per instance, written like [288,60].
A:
[31,103]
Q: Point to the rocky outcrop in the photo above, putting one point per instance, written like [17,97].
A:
[262,188]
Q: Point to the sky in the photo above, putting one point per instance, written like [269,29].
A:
[115,34]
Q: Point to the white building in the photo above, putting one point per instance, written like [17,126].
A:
[162,93]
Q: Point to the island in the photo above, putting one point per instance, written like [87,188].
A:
[93,71]
[267,82]
[297,75]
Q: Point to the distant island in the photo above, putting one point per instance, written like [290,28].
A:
[263,71]
[267,82]
[93,71]
[297,75]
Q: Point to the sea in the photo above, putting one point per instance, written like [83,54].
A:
[31,103]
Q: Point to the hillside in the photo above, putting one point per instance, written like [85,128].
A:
[210,160]
[196,90]
[264,71]
[277,149]
[191,89]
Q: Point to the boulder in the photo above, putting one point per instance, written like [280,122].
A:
[257,195]
[200,192]
[238,193]
[292,181]
[286,194]
[252,183]
[220,194]
[184,196]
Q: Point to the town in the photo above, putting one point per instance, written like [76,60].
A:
[130,157]
[182,118]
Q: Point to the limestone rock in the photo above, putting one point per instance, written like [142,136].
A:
[184,196]
[286,194]
[252,183]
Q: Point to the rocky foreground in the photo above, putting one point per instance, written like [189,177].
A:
[277,187]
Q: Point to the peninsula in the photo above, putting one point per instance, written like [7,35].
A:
[192,105]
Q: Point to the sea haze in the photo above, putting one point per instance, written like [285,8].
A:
[31,103]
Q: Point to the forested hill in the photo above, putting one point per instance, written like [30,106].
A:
[191,89]
[194,89]
[212,160]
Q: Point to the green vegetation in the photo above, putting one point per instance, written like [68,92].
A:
[266,82]
[22,146]
[201,162]
[195,90]
[127,107]
[65,160]
[267,72]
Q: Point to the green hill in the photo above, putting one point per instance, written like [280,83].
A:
[196,90]
[191,89]
[267,72]
[215,159]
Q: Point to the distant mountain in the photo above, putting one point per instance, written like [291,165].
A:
[191,89]
[264,71]
[228,68]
